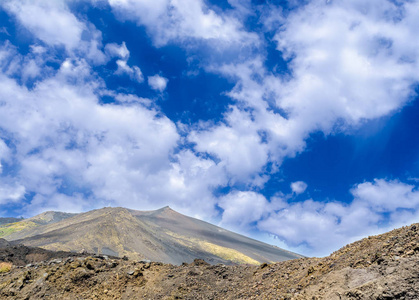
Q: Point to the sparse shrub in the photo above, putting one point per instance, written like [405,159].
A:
[310,270]
[5,267]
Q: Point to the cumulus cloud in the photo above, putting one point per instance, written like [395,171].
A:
[50,21]
[237,144]
[54,24]
[64,139]
[115,50]
[58,202]
[349,62]
[169,20]
[241,209]
[10,191]
[72,152]
[157,82]
[122,52]
[30,67]
[298,187]
[133,72]
[387,196]
[323,227]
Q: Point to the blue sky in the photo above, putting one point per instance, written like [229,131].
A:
[294,122]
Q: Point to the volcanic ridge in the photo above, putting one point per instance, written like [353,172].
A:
[162,235]
[378,267]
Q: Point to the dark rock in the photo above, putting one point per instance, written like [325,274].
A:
[200,262]
[264,265]
[4,243]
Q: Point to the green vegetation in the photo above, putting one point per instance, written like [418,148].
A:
[10,228]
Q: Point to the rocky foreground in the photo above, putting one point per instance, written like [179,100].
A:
[378,267]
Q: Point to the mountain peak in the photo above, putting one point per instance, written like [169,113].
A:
[166,208]
[158,235]
[163,210]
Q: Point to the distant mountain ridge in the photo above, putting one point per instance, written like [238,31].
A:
[50,217]
[161,235]
[10,225]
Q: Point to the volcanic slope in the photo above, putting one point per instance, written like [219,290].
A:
[11,225]
[378,267]
[162,235]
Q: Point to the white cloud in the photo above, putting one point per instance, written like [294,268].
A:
[37,49]
[387,196]
[10,191]
[31,70]
[174,20]
[236,144]
[298,187]
[4,152]
[147,187]
[53,23]
[325,227]
[29,67]
[115,50]
[58,202]
[65,139]
[157,82]
[122,52]
[349,63]
[127,98]
[242,208]
[133,72]
[50,21]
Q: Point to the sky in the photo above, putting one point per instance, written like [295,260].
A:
[291,121]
